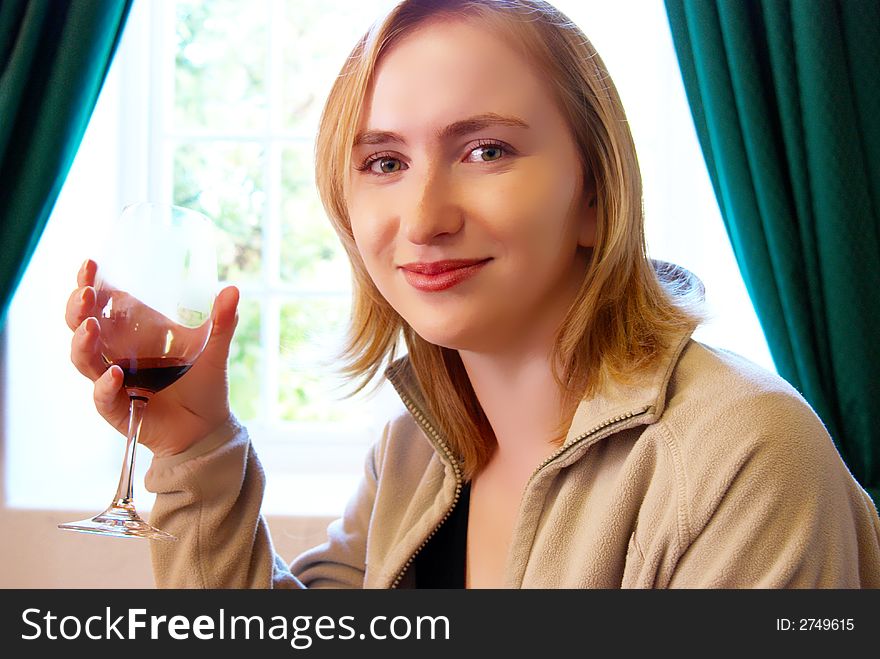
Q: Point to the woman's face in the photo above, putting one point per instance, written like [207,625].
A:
[465,156]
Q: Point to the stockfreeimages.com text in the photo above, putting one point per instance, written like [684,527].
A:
[301,630]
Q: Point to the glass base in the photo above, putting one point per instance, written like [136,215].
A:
[121,521]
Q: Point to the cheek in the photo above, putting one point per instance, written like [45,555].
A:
[529,207]
[372,232]
[374,235]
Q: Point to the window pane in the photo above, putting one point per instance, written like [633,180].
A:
[311,254]
[226,182]
[318,36]
[305,58]
[245,362]
[311,330]
[220,65]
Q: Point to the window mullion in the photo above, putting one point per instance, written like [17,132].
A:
[271,325]
[270,338]
[162,77]
[272,219]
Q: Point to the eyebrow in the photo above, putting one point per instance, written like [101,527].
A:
[456,129]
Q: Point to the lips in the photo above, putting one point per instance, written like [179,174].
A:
[438,267]
[440,275]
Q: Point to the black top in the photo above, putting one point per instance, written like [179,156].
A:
[441,562]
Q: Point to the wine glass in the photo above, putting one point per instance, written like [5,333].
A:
[156,283]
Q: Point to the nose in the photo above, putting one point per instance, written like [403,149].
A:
[433,211]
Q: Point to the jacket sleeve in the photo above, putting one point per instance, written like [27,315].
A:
[779,510]
[209,497]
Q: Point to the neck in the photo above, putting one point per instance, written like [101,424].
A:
[521,401]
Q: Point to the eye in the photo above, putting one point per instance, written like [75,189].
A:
[487,152]
[386,165]
[381,164]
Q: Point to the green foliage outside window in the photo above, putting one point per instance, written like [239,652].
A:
[223,135]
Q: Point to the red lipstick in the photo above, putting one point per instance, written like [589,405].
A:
[440,275]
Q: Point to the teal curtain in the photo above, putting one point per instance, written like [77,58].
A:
[54,56]
[785,96]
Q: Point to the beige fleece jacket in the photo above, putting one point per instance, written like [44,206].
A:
[708,473]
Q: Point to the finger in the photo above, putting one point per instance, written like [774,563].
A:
[80,305]
[225,321]
[111,400]
[84,349]
[226,311]
[86,274]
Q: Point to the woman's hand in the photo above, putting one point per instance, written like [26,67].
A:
[177,416]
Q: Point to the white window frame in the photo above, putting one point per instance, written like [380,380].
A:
[292,448]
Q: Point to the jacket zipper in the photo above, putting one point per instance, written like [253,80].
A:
[455,467]
[577,440]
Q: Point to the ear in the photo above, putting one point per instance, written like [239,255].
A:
[589,216]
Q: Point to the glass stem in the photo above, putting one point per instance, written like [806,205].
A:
[124,493]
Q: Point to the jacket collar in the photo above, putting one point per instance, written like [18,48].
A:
[644,396]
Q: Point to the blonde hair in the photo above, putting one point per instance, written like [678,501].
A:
[623,317]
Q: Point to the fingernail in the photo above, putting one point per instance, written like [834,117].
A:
[82,296]
[84,326]
[82,268]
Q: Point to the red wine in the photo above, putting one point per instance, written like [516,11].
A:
[152,374]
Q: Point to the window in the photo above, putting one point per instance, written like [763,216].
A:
[214,105]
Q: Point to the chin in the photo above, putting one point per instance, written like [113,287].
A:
[439,337]
[447,335]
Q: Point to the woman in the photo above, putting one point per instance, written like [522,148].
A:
[562,428]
